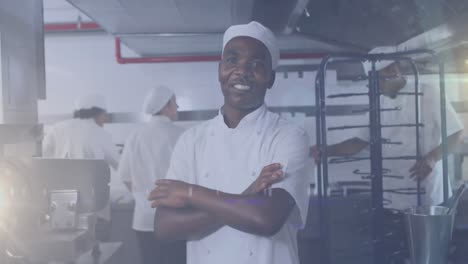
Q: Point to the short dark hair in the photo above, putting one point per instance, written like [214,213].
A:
[87,113]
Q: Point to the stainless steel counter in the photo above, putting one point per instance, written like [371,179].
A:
[107,255]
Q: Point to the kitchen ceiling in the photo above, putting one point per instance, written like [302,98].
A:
[180,27]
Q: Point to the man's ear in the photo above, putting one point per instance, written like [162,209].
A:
[272,79]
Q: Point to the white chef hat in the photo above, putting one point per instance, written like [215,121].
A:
[259,32]
[90,101]
[379,65]
[156,99]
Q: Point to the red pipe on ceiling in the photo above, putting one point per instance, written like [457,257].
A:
[92,26]
[64,27]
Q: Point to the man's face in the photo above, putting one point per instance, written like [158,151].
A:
[172,107]
[391,81]
[245,73]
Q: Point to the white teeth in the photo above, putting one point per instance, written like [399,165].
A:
[242,87]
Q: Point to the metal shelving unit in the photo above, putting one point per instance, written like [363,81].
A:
[377,171]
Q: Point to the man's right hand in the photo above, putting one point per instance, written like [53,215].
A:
[268,176]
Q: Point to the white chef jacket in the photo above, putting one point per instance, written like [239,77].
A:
[81,139]
[430,138]
[229,160]
[145,159]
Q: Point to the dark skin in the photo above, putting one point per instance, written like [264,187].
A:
[348,147]
[245,62]
[424,167]
[247,65]
[391,82]
[190,223]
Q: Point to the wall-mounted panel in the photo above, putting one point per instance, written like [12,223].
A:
[23,65]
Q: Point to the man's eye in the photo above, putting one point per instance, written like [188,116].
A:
[231,60]
[257,64]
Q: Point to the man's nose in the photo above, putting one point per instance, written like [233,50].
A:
[243,70]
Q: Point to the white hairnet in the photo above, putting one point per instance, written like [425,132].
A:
[90,101]
[259,32]
[156,99]
[379,65]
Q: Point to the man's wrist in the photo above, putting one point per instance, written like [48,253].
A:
[196,192]
[432,157]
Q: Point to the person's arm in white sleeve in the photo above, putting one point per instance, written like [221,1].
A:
[177,223]
[182,223]
[454,126]
[263,213]
[348,147]
[454,137]
[424,167]
[295,183]
[256,213]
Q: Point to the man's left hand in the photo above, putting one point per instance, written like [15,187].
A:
[170,193]
[422,168]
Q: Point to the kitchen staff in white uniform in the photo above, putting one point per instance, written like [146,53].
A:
[145,159]
[84,137]
[213,195]
[401,193]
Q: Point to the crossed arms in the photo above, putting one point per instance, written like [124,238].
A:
[186,211]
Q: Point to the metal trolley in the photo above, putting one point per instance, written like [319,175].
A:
[377,172]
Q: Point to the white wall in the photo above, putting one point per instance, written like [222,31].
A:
[77,64]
